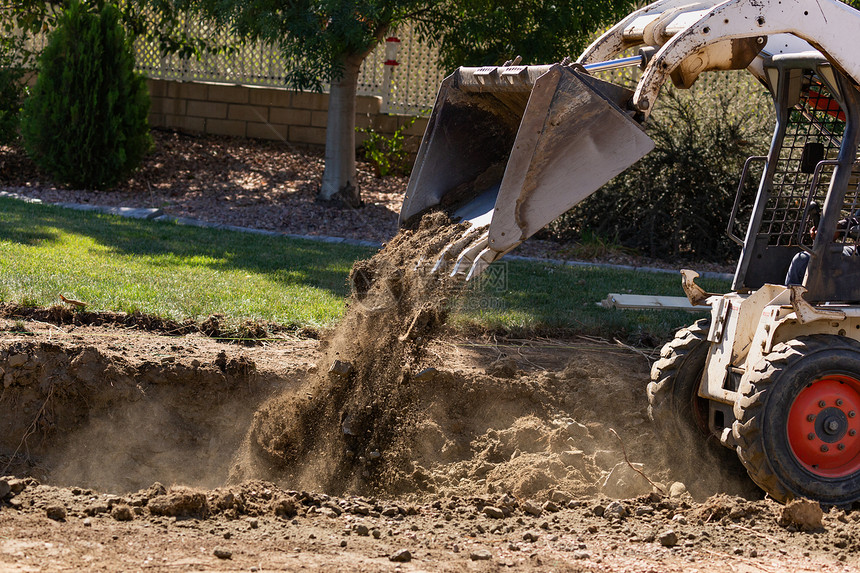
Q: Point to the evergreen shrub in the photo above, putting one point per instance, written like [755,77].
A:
[674,204]
[85,123]
[11,94]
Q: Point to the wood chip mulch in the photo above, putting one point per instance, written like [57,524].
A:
[258,184]
[242,182]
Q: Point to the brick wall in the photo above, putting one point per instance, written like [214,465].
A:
[264,113]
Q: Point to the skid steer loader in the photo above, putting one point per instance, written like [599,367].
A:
[775,372]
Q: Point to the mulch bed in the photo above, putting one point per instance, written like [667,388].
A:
[235,181]
[258,184]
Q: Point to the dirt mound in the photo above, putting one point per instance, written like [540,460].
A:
[62,315]
[384,406]
[249,332]
[382,415]
[346,427]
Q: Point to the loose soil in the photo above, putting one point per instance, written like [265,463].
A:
[515,463]
[385,446]
[131,444]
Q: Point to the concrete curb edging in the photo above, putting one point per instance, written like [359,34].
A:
[158,215]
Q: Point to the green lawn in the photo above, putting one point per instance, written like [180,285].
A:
[114,263]
[183,272]
[544,298]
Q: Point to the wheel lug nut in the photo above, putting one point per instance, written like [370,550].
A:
[821,404]
[810,436]
[852,432]
[839,402]
[824,448]
[852,413]
[810,418]
[841,446]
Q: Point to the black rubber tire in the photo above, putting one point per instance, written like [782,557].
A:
[762,412]
[681,419]
[672,401]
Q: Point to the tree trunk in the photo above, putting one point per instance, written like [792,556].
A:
[339,183]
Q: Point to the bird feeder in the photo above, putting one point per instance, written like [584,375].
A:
[392,45]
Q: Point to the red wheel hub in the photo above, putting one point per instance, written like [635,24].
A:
[824,426]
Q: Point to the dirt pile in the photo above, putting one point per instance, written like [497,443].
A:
[507,454]
[386,413]
[382,406]
[258,526]
[348,426]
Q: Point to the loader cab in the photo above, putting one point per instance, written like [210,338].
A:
[808,184]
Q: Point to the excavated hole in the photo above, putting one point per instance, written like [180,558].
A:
[369,419]
[80,415]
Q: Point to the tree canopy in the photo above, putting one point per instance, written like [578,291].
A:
[315,35]
[327,40]
[489,32]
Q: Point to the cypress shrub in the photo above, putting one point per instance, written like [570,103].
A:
[85,123]
[11,85]
[11,91]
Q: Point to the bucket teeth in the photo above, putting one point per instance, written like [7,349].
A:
[482,261]
[453,250]
[469,254]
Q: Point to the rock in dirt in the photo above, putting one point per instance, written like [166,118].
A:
[56,512]
[480,555]
[122,512]
[615,510]
[284,507]
[400,556]
[221,553]
[340,368]
[804,514]
[531,508]
[677,489]
[644,510]
[493,512]
[668,538]
[17,485]
[5,488]
[156,489]
[624,482]
[180,502]
[426,375]
[391,511]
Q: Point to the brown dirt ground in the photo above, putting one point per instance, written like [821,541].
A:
[514,463]
[131,444]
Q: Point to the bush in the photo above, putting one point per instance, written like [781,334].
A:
[11,94]
[675,202]
[86,121]
[12,57]
[388,155]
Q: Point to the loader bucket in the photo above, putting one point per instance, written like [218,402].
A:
[510,149]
